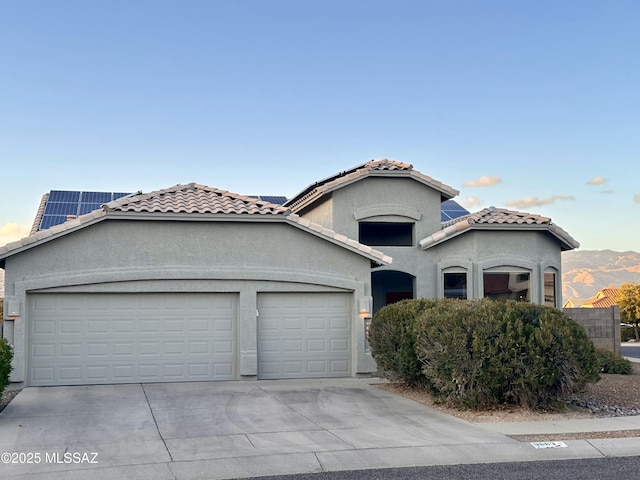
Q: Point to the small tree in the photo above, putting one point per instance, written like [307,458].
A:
[628,298]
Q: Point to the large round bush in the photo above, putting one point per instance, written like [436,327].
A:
[482,353]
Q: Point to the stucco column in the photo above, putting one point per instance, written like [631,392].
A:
[248,332]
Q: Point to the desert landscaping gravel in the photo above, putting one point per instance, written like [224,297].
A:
[612,396]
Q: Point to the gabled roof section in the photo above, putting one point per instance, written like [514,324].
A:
[194,198]
[498,219]
[188,202]
[381,168]
[338,238]
[604,298]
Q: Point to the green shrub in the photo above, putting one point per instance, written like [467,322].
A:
[627,333]
[610,362]
[6,355]
[481,353]
[392,340]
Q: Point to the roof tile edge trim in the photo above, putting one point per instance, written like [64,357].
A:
[484,219]
[53,232]
[367,169]
[338,238]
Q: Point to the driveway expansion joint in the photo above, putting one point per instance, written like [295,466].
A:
[164,442]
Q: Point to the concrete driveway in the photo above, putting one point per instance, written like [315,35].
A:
[236,429]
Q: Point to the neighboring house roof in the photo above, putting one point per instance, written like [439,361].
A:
[381,168]
[604,298]
[573,303]
[190,202]
[498,219]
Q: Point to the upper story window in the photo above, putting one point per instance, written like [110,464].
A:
[382,234]
[507,286]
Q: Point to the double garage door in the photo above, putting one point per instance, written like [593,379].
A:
[87,338]
[79,339]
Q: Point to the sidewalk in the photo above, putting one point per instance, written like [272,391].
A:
[581,425]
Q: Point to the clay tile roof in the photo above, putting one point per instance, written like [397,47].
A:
[604,298]
[600,303]
[610,292]
[499,218]
[502,215]
[194,198]
[187,199]
[39,213]
[384,167]
[338,238]
[386,164]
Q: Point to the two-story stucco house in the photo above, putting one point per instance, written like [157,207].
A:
[192,283]
[493,253]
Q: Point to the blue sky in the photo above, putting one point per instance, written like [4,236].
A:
[529,105]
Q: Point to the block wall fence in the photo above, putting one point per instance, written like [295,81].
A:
[601,324]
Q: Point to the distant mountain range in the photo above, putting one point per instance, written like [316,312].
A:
[584,272]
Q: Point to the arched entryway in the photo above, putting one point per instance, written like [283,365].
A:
[390,286]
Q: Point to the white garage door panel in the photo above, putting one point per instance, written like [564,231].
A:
[304,335]
[131,338]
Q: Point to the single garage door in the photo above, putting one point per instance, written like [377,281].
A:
[90,338]
[304,335]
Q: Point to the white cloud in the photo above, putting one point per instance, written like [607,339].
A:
[483,181]
[10,232]
[636,198]
[597,181]
[471,202]
[529,202]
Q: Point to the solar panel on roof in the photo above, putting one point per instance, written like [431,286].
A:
[89,207]
[63,196]
[279,200]
[61,208]
[49,221]
[96,197]
[451,205]
[450,209]
[64,203]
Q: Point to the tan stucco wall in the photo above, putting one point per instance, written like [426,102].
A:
[177,256]
[384,191]
[476,251]
[472,250]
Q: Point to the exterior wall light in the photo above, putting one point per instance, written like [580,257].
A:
[364,307]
